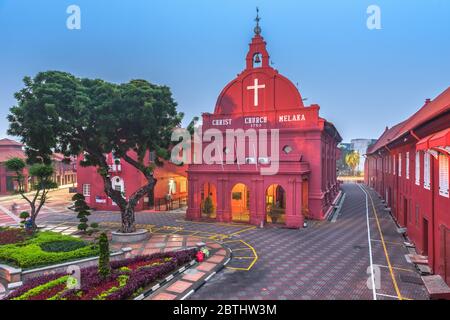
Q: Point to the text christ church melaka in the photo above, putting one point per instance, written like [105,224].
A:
[305,184]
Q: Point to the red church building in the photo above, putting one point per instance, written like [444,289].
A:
[305,184]
[409,167]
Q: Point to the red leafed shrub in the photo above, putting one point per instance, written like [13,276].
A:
[12,235]
[127,278]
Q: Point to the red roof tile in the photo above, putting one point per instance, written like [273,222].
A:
[8,154]
[9,142]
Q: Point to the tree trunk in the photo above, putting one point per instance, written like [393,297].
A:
[128,220]
[128,217]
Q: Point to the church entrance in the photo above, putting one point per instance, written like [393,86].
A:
[275,204]
[240,203]
[208,205]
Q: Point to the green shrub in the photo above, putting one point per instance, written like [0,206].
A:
[24,215]
[94,225]
[208,205]
[29,253]
[62,246]
[104,268]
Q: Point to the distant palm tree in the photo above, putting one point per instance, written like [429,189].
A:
[352,160]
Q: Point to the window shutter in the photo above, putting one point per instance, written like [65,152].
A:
[418,168]
[395,164]
[426,171]
[407,165]
[443,175]
[399,164]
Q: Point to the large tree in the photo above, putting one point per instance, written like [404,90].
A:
[58,112]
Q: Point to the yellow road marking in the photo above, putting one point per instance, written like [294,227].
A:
[214,223]
[243,230]
[397,268]
[394,281]
[241,249]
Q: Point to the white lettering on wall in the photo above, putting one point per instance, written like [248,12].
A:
[291,118]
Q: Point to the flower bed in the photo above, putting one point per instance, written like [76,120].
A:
[128,279]
[45,248]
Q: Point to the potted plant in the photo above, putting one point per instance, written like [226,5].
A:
[208,206]
[275,212]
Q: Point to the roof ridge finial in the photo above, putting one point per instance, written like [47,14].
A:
[257,19]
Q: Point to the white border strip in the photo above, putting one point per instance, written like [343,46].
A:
[370,244]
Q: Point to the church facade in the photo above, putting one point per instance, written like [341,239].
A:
[305,183]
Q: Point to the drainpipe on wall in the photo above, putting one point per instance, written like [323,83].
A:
[433,229]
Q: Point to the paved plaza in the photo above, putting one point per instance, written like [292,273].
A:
[326,260]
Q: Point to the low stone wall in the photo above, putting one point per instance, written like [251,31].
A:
[15,277]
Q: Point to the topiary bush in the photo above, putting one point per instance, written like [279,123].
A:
[81,207]
[104,267]
[208,205]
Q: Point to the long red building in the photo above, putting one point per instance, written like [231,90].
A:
[171,180]
[305,184]
[409,167]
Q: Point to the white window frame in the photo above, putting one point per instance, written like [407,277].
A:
[86,190]
[417,172]
[399,164]
[426,171]
[443,175]
[407,165]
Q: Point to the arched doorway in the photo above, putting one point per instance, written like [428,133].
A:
[275,204]
[208,205]
[240,203]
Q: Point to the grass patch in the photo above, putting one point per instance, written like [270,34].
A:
[46,248]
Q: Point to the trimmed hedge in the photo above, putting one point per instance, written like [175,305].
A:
[62,245]
[29,254]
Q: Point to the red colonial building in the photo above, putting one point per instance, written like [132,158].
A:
[126,178]
[409,167]
[9,149]
[304,154]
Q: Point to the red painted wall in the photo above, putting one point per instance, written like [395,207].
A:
[132,179]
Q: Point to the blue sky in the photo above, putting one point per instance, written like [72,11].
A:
[363,79]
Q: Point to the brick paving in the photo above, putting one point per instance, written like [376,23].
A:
[324,261]
[5,219]
[183,285]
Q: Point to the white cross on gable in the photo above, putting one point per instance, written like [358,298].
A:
[256,87]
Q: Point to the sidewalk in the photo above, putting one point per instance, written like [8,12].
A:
[18,196]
